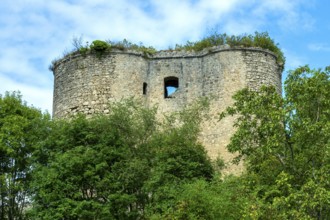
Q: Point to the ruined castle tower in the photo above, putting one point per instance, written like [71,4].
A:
[87,83]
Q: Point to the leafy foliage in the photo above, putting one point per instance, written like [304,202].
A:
[21,128]
[128,165]
[218,199]
[127,45]
[116,166]
[285,145]
[98,46]
[261,40]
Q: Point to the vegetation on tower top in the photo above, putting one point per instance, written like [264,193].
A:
[261,40]
[99,47]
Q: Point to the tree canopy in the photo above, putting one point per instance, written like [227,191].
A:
[118,166]
[21,129]
[131,165]
[285,143]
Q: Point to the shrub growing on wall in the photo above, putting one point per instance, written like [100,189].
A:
[99,47]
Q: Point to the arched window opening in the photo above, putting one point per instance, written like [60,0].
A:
[145,86]
[171,85]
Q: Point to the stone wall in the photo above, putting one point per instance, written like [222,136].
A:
[87,84]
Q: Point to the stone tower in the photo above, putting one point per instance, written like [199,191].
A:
[87,83]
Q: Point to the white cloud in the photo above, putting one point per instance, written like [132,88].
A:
[294,60]
[39,97]
[283,15]
[319,47]
[174,21]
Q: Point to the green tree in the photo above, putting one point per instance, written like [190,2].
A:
[201,199]
[285,145]
[177,158]
[21,128]
[87,167]
[115,166]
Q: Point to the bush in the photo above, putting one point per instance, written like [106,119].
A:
[99,45]
[261,40]
[127,45]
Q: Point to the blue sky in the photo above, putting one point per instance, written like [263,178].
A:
[34,32]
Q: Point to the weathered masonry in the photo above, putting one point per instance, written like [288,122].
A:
[170,79]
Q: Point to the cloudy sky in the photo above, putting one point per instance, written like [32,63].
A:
[34,32]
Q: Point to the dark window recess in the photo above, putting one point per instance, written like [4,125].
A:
[145,86]
[171,85]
